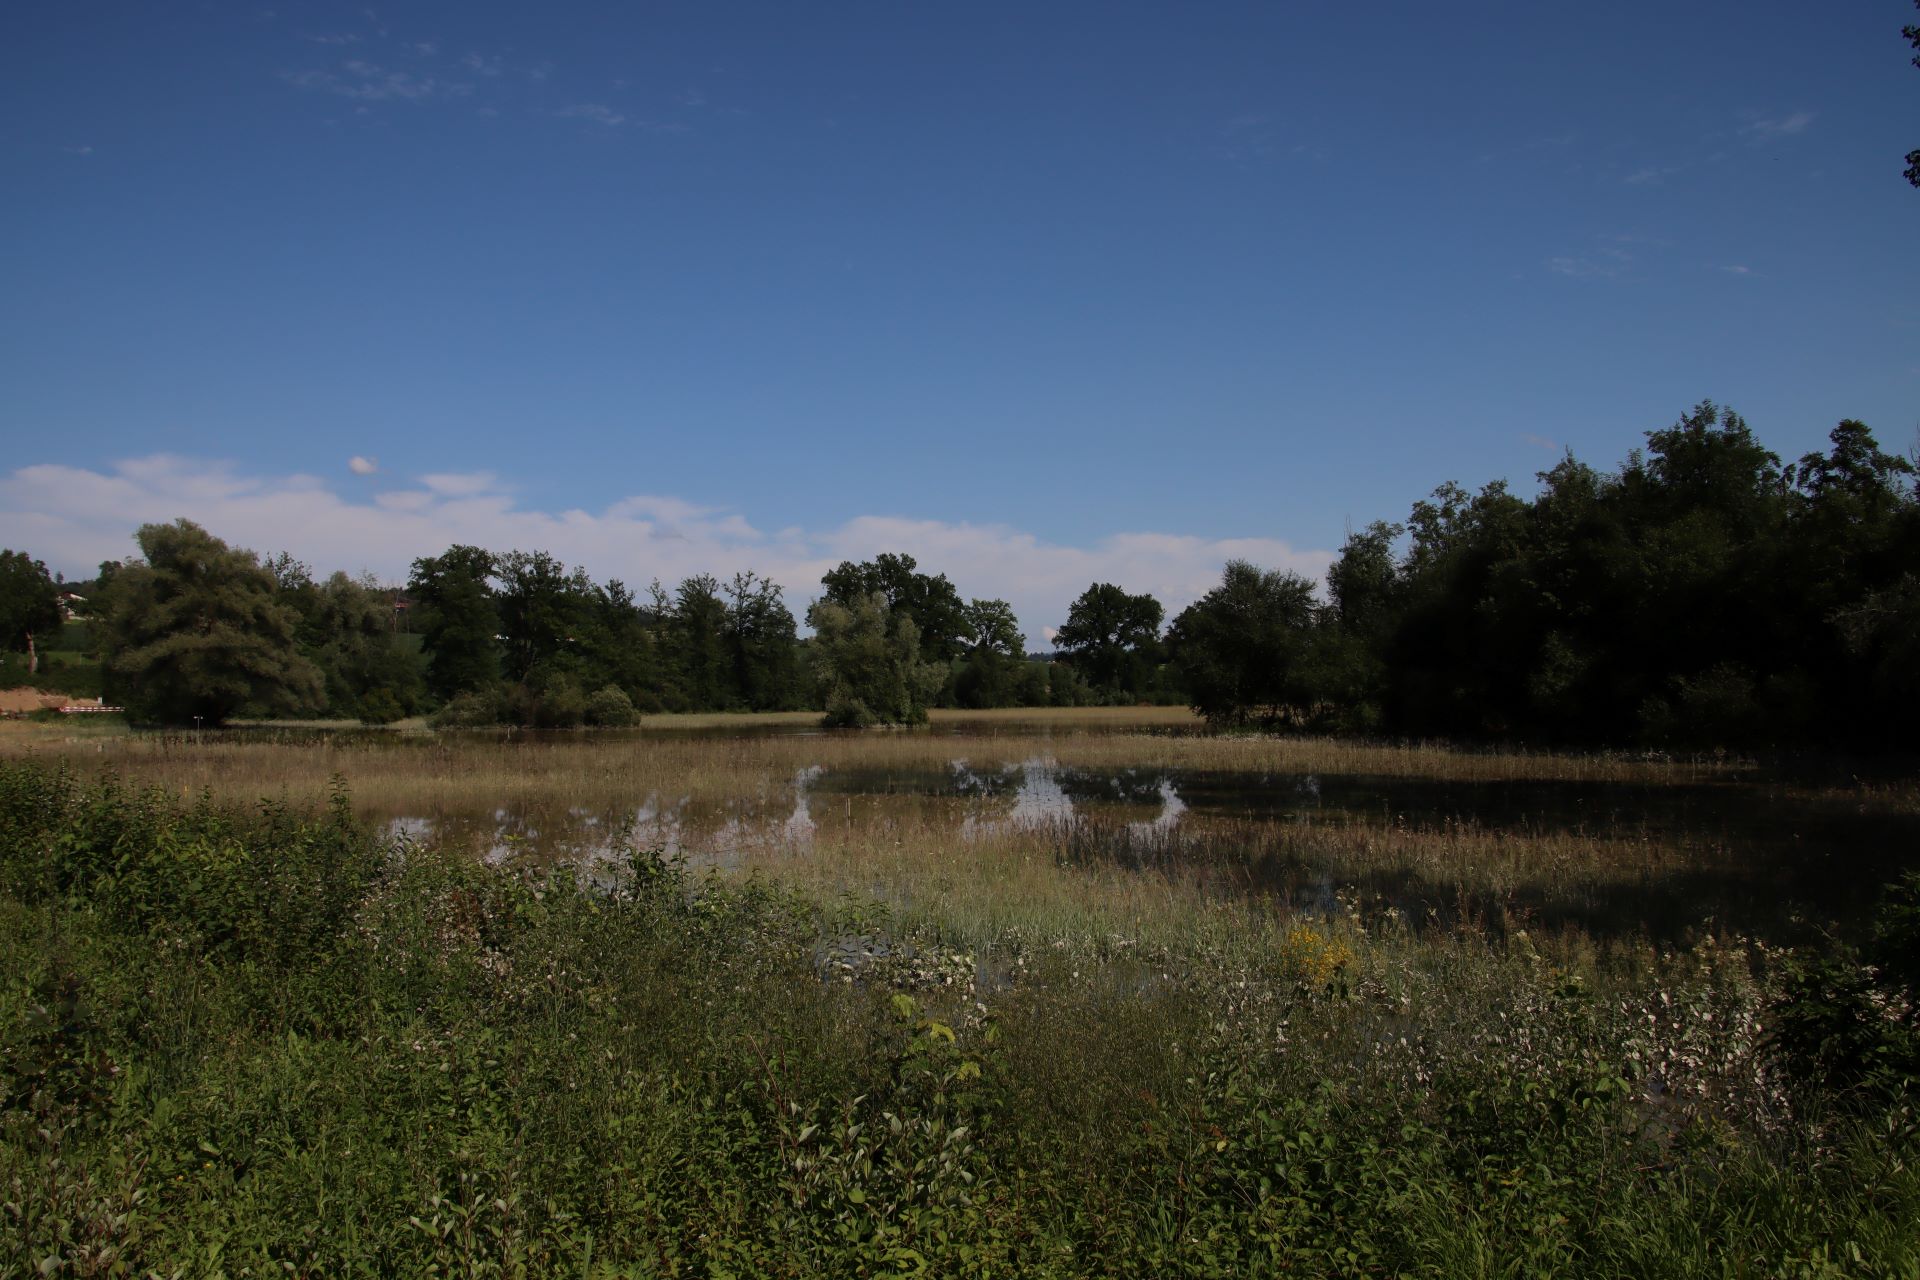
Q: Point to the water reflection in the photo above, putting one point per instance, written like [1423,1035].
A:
[1171,807]
[799,827]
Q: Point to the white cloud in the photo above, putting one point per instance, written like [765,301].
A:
[362,466]
[75,517]
[1737,270]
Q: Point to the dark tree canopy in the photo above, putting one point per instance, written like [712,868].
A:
[761,644]
[1247,648]
[459,619]
[1111,637]
[200,630]
[541,604]
[348,629]
[989,673]
[29,605]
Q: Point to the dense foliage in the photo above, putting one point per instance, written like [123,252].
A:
[1112,638]
[29,606]
[267,1043]
[197,630]
[868,659]
[1703,594]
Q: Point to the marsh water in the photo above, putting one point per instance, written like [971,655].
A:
[1753,854]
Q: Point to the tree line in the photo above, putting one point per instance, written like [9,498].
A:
[1704,592]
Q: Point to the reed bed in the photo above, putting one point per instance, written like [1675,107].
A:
[865,814]
[384,768]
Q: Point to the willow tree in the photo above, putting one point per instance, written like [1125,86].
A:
[198,630]
[868,662]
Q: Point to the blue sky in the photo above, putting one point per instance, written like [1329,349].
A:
[1043,294]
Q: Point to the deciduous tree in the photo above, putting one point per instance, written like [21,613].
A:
[868,663]
[459,619]
[29,605]
[1111,637]
[1247,647]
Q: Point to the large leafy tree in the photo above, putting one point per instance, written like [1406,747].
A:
[542,604]
[29,604]
[760,638]
[199,630]
[930,602]
[995,650]
[459,619]
[1111,637]
[696,628]
[1248,648]
[367,670]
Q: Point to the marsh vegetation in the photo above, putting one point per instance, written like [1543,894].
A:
[1082,993]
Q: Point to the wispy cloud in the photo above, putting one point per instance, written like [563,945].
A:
[1255,138]
[1788,126]
[1737,270]
[79,151]
[1609,259]
[74,517]
[594,111]
[1583,268]
[364,81]
[362,466]
[1651,175]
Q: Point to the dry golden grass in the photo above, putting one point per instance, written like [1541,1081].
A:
[389,771]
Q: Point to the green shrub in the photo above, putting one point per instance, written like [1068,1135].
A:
[474,710]
[610,708]
[381,707]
